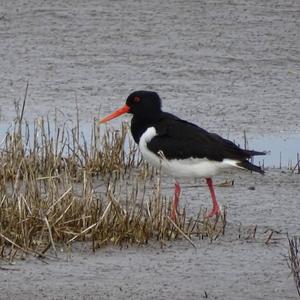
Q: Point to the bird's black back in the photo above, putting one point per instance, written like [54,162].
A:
[179,139]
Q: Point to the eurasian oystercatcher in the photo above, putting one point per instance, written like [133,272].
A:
[181,148]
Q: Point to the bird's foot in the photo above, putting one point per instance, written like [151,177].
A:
[174,213]
[174,209]
[214,212]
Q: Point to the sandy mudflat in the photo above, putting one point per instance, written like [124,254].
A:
[232,267]
[227,65]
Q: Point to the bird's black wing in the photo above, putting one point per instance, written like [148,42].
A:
[180,139]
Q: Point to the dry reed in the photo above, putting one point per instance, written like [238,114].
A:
[57,188]
[294,260]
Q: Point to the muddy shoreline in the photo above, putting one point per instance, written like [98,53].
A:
[238,265]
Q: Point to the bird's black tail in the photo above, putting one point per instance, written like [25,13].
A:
[254,153]
[249,166]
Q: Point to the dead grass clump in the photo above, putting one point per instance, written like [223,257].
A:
[42,153]
[57,188]
[294,260]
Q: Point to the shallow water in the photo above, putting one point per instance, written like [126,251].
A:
[282,150]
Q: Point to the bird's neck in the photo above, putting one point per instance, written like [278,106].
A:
[140,125]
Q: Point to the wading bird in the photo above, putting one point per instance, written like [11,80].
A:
[180,148]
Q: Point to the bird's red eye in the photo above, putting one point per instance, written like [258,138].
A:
[136,99]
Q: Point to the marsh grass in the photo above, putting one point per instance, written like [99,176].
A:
[294,260]
[57,188]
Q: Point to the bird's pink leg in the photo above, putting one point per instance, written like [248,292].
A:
[175,203]
[216,209]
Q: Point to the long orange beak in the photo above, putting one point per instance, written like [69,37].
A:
[122,110]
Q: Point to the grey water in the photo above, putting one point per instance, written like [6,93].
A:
[281,150]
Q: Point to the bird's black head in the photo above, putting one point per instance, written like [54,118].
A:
[144,104]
